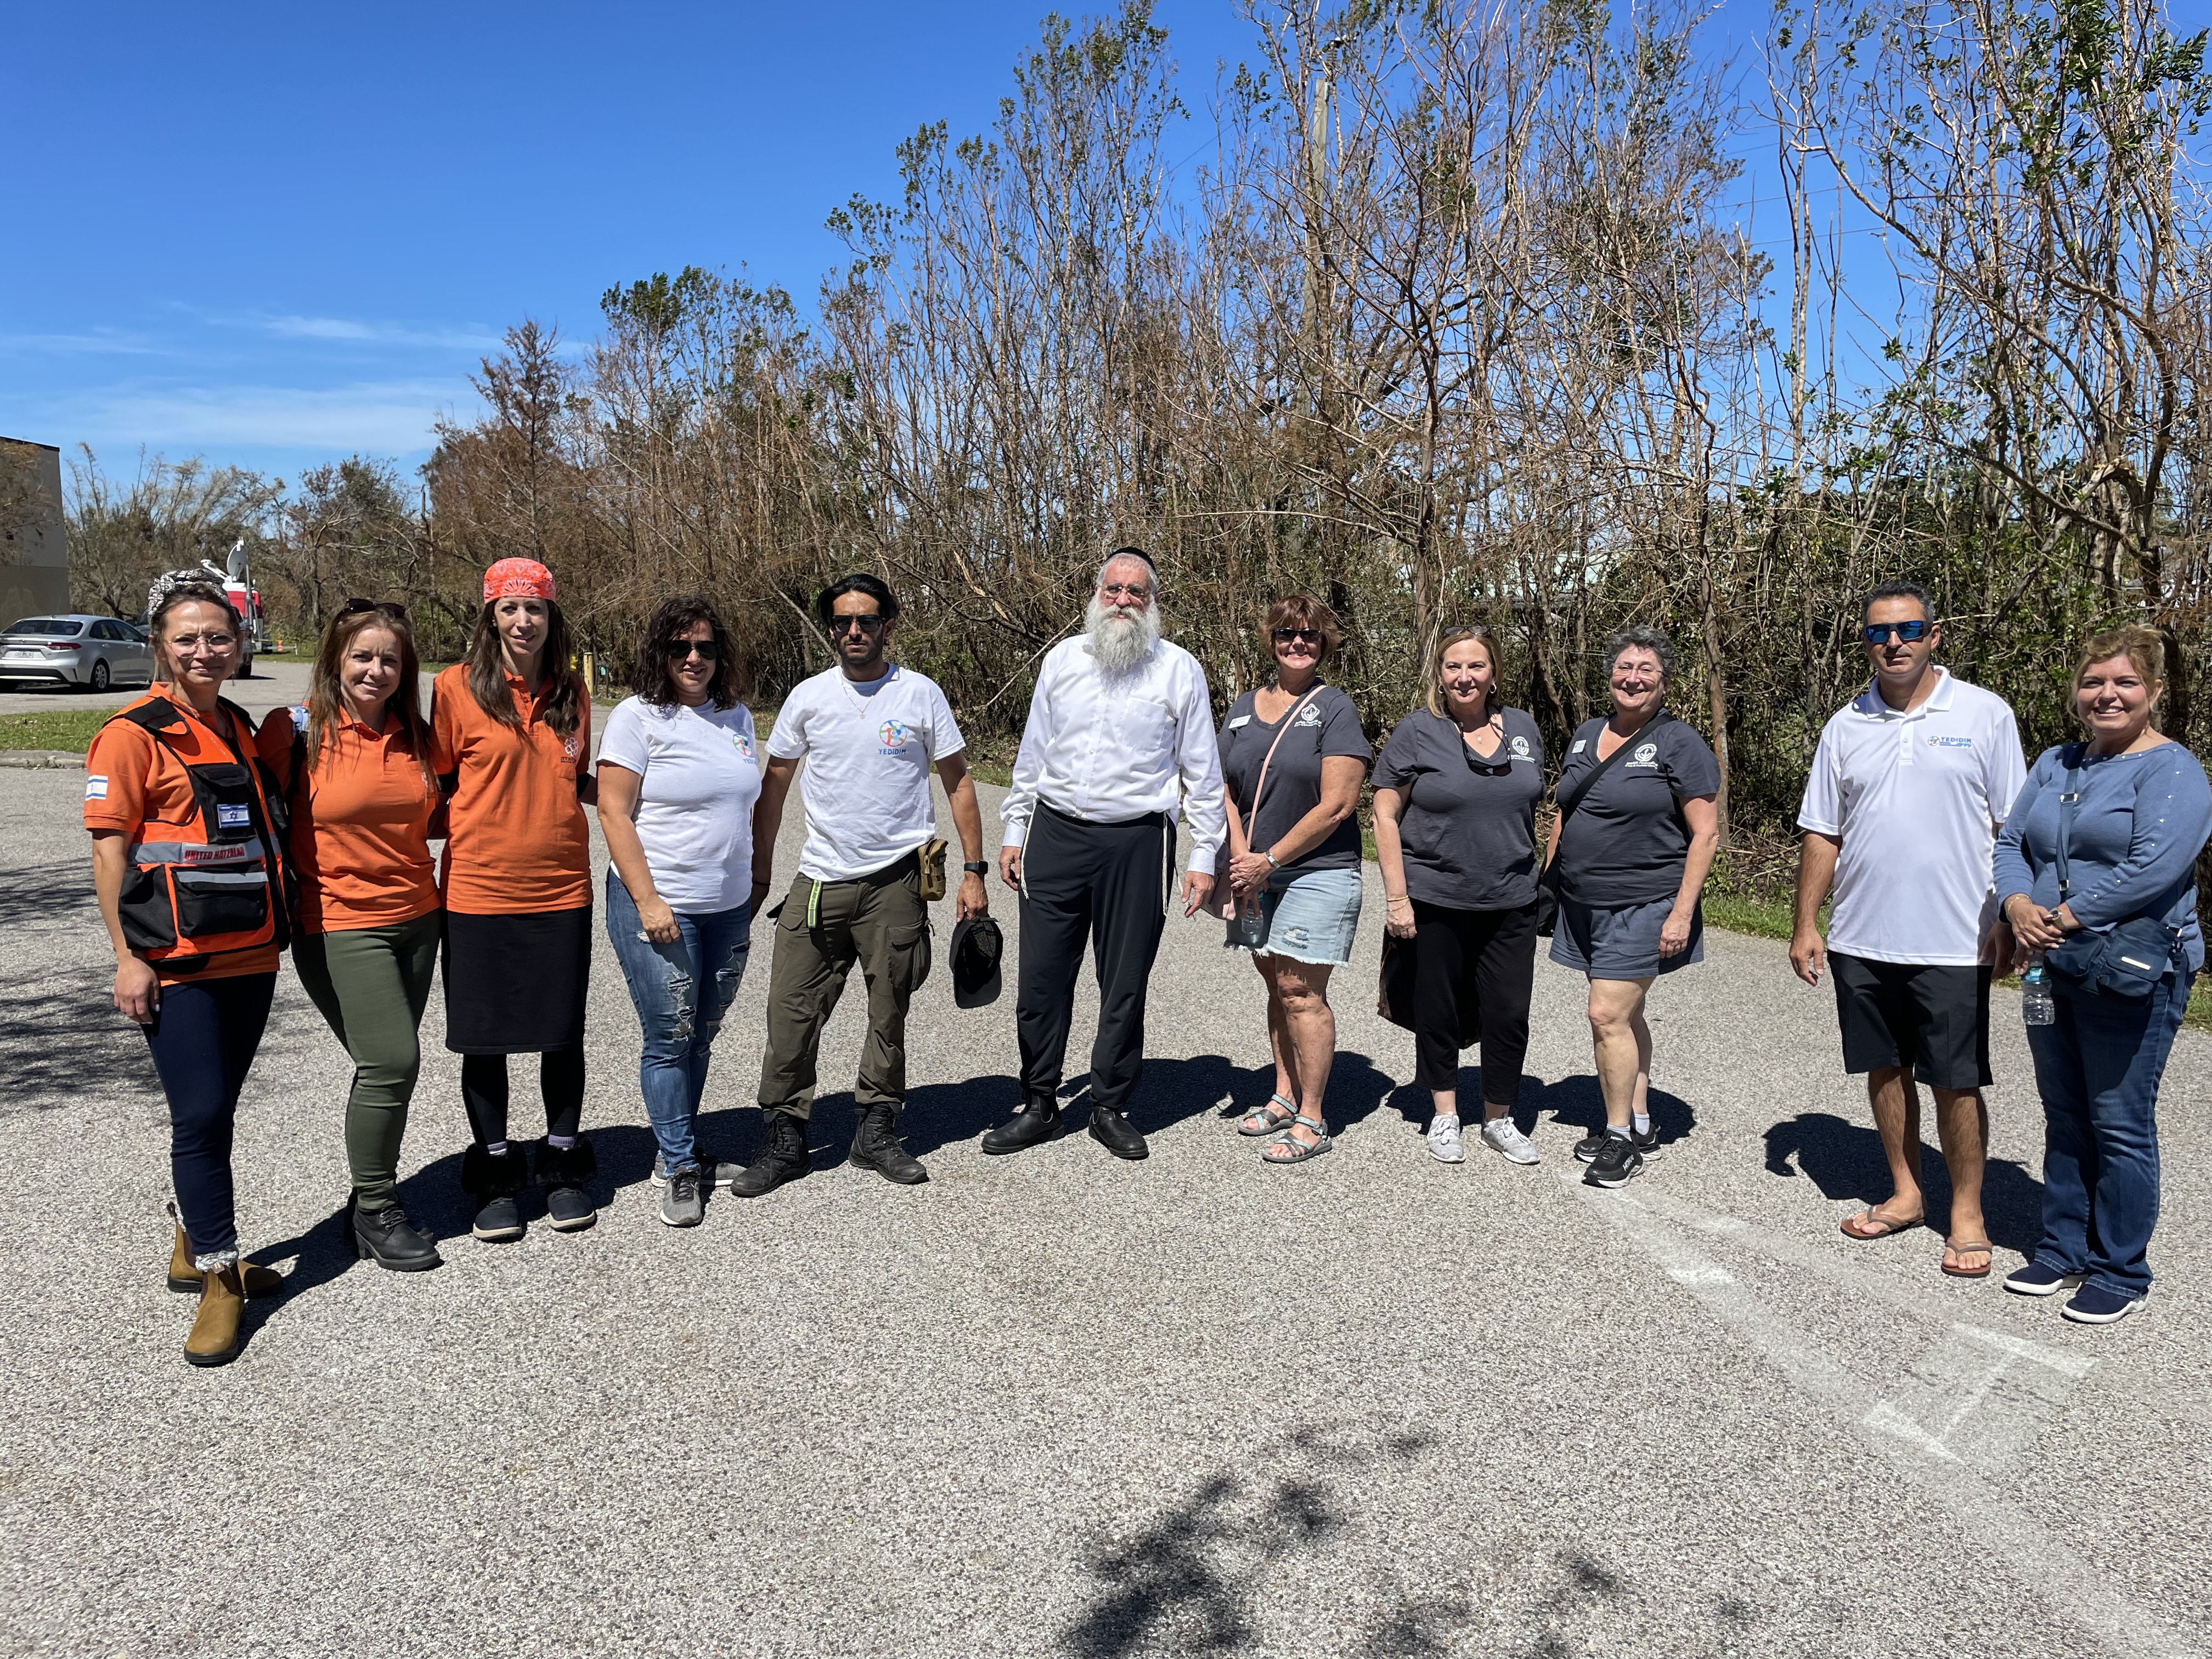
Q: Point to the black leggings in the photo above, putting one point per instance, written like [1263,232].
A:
[1490,955]
[560,1077]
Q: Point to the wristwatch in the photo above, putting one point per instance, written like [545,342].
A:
[977,868]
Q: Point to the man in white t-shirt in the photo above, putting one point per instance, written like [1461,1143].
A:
[1909,785]
[869,732]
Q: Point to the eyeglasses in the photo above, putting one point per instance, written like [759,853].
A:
[706,650]
[1879,633]
[1125,590]
[355,607]
[870,626]
[1297,637]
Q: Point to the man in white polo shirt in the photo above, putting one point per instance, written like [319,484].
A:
[1909,785]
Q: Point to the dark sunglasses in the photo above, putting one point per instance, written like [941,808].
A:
[866,625]
[707,651]
[355,607]
[1879,633]
[1298,635]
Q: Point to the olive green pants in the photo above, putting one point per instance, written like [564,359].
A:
[878,921]
[372,984]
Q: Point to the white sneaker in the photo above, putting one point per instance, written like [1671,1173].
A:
[1508,1142]
[1443,1141]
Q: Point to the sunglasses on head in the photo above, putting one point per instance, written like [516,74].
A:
[1297,637]
[706,650]
[390,608]
[1879,633]
[846,624]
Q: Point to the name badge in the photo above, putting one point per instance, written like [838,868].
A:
[232,815]
[1578,748]
[1242,719]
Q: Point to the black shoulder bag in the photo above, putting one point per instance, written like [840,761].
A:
[1547,880]
[2127,961]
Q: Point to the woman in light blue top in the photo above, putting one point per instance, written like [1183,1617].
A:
[2141,812]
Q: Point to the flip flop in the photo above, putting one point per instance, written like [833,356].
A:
[1962,1247]
[1884,1229]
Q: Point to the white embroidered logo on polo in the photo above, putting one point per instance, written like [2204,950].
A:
[1520,748]
[1647,754]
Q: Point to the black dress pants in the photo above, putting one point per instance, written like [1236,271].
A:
[1491,954]
[1110,882]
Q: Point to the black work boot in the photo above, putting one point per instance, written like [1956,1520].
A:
[389,1239]
[783,1158]
[1111,1130]
[495,1184]
[876,1146]
[1037,1120]
[563,1171]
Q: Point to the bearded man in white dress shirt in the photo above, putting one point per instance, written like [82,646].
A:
[1120,736]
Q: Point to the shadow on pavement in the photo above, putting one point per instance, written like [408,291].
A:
[1844,1160]
[63,1034]
[1194,1580]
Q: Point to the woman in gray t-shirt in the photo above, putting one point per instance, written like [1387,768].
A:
[1628,868]
[1455,795]
[1290,871]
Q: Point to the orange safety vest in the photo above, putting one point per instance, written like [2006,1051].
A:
[225,885]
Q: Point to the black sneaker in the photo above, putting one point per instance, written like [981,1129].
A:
[714,1174]
[495,1184]
[1616,1164]
[1646,1141]
[562,1172]
[1590,1145]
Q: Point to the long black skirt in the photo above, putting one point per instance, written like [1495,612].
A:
[514,984]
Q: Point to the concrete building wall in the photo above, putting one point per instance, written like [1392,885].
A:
[33,545]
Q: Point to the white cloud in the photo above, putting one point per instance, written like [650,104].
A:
[386,417]
[98,343]
[356,331]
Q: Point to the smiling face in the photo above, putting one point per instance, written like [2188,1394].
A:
[1638,682]
[1126,584]
[1466,675]
[522,625]
[199,647]
[368,672]
[691,670]
[1297,650]
[2114,700]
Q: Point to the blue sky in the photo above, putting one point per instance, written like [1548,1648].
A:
[275,235]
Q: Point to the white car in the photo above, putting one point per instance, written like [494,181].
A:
[85,653]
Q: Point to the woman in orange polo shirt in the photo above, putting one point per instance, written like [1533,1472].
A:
[355,765]
[185,855]
[510,736]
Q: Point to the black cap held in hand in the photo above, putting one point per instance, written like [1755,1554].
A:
[977,948]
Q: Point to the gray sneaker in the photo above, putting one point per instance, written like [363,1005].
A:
[714,1175]
[1501,1135]
[681,1203]
[1443,1141]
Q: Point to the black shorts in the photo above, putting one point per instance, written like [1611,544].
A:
[1934,1019]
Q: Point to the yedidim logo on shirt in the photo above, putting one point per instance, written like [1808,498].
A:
[895,734]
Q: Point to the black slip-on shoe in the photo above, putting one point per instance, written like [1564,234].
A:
[1036,1122]
[1113,1131]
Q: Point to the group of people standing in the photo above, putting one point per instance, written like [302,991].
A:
[215,846]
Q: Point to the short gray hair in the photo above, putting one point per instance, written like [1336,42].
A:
[1151,570]
[1643,636]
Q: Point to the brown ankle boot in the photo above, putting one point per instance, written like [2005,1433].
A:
[184,1277]
[213,1341]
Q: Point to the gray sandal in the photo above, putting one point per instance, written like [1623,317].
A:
[1287,1148]
[1265,1120]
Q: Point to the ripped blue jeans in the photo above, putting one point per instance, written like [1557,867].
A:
[678,1017]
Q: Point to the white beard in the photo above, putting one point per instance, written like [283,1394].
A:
[1119,640]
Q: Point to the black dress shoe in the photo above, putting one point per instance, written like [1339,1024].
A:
[1038,1121]
[387,1237]
[1111,1130]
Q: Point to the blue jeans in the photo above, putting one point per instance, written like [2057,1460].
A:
[680,1019]
[203,1038]
[2098,1067]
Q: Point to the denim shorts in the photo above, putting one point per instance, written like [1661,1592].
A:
[1309,915]
[1622,943]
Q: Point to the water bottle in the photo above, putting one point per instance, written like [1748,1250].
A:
[2037,1006]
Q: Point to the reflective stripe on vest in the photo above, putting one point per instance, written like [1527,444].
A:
[193,852]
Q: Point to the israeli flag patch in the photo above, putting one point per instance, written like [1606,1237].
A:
[232,815]
[95,788]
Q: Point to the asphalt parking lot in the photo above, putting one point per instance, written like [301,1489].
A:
[1055,1404]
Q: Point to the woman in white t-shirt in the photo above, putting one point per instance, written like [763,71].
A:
[677,781]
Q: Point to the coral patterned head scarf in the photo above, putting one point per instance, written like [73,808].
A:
[518,579]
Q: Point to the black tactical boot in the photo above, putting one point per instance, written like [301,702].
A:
[876,1146]
[783,1158]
